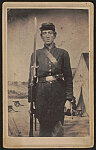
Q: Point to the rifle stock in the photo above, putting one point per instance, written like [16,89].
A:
[31,120]
[33,99]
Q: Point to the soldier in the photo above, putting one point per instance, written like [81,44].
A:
[54,86]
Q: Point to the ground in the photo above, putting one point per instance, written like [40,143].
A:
[19,121]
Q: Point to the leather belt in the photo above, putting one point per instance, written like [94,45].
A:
[46,79]
[50,78]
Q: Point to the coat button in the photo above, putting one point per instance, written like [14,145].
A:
[50,82]
[49,70]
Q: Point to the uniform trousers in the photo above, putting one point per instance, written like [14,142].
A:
[55,129]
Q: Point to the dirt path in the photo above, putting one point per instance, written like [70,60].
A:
[76,127]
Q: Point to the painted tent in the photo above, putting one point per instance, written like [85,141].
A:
[81,83]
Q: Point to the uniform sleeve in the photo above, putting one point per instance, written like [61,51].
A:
[68,77]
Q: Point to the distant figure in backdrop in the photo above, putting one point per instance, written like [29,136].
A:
[54,84]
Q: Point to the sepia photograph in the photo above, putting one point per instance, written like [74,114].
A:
[48,83]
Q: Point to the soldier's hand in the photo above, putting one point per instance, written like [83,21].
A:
[34,79]
[29,111]
[68,104]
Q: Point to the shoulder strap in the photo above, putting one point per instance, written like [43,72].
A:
[50,56]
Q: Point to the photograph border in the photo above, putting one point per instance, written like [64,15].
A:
[47,142]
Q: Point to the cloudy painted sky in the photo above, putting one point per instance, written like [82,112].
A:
[72,35]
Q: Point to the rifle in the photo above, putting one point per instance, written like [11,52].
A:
[33,84]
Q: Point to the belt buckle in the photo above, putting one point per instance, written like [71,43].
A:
[50,78]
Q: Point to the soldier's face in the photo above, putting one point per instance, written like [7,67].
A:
[48,36]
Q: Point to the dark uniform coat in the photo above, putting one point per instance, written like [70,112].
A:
[51,96]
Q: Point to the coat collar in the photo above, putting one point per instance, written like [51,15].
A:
[53,46]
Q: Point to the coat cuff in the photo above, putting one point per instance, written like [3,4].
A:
[69,98]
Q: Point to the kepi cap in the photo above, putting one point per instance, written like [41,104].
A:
[47,26]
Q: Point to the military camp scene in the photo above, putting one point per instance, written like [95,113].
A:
[48,73]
